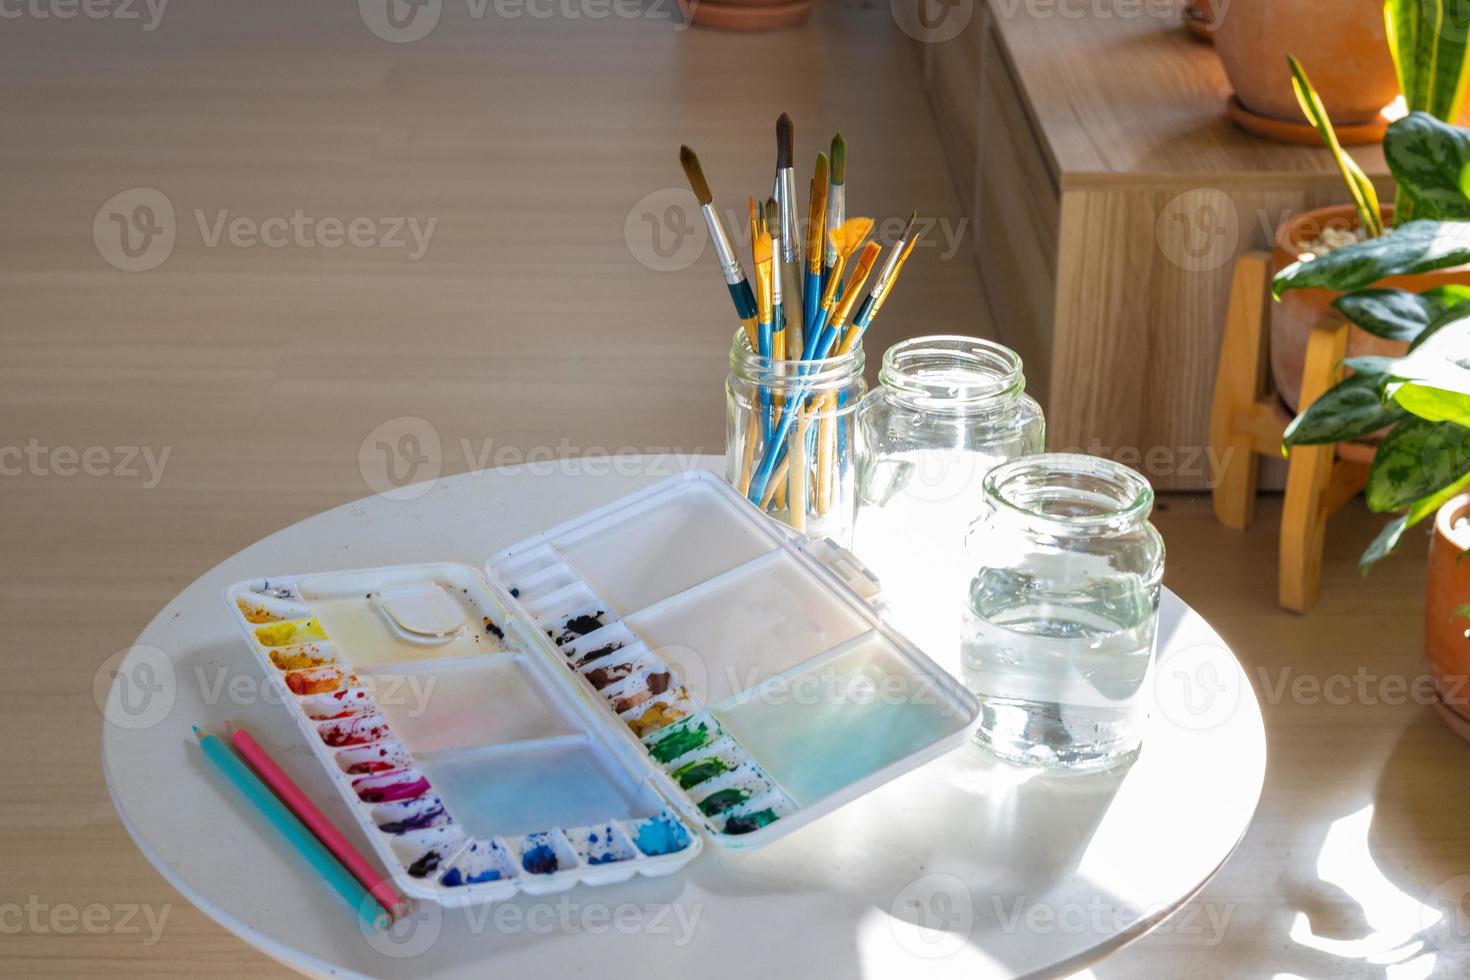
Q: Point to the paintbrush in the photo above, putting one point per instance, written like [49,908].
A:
[765,313]
[789,257]
[816,218]
[882,284]
[775,448]
[836,203]
[735,279]
[872,305]
[845,240]
[778,299]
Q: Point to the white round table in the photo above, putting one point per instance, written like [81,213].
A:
[964,867]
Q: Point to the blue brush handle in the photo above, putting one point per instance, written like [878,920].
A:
[744,299]
[811,301]
[776,448]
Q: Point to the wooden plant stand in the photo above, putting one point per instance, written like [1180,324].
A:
[1247,421]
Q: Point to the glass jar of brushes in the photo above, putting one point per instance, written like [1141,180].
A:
[789,436]
[1062,611]
[948,409]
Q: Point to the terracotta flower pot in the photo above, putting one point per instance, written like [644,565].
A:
[1341,45]
[1199,20]
[1445,643]
[748,15]
[1299,310]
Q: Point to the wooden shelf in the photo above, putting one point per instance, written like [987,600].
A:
[1110,197]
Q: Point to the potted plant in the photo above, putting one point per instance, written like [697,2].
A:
[1343,44]
[1447,612]
[1421,466]
[1429,54]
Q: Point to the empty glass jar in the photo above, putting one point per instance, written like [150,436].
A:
[1060,622]
[947,410]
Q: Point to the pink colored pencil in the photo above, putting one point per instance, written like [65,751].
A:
[291,795]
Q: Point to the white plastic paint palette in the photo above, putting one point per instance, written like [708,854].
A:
[474,767]
[746,663]
[672,661]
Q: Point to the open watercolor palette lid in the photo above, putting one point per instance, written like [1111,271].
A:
[670,667]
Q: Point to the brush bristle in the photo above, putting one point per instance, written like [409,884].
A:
[695,173]
[773,217]
[785,142]
[847,236]
[820,178]
[839,159]
[760,249]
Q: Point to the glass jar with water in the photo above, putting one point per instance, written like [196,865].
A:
[1060,622]
[947,410]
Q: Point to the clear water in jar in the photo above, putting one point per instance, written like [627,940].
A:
[1061,678]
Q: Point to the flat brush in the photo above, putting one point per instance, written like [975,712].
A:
[873,302]
[778,298]
[845,239]
[836,203]
[740,292]
[816,218]
[789,259]
[761,252]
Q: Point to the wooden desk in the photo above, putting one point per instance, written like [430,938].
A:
[1110,197]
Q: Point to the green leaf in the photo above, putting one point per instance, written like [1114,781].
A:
[1453,314]
[1416,459]
[1383,545]
[1433,404]
[1428,159]
[1401,18]
[1427,39]
[1419,246]
[1351,409]
[1425,506]
[1371,364]
[1397,314]
[1435,378]
[1360,188]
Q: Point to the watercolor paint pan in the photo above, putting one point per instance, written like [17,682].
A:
[408,696]
[771,639]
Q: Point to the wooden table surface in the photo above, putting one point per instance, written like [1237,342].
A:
[232,390]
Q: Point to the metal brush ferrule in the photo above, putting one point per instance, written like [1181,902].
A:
[790,249]
[724,251]
[836,214]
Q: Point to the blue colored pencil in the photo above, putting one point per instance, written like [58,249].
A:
[315,853]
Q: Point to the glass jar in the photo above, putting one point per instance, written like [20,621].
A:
[1060,622]
[789,439]
[948,409]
